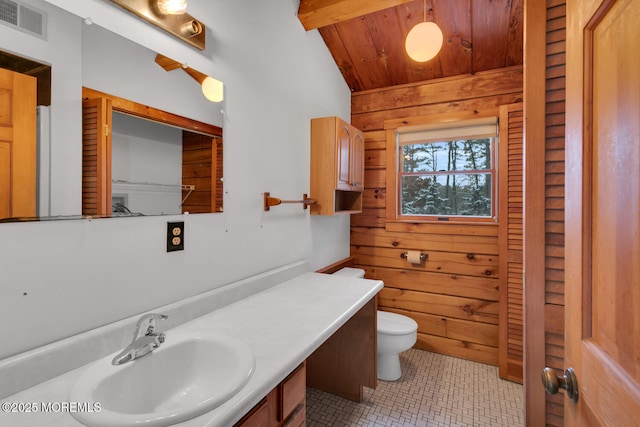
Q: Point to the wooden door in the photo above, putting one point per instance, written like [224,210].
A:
[18,160]
[510,215]
[96,157]
[603,211]
[343,147]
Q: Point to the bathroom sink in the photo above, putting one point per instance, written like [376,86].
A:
[185,377]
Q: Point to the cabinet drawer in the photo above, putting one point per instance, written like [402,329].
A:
[294,389]
[297,418]
[258,417]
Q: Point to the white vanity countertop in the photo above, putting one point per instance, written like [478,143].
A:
[283,325]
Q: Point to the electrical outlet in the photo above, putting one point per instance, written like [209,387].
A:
[175,236]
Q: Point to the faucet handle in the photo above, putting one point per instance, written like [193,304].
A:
[147,324]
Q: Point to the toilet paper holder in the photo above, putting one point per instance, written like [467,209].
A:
[423,255]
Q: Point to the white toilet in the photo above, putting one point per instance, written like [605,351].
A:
[396,333]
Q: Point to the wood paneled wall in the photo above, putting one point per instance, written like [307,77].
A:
[554,195]
[202,167]
[454,295]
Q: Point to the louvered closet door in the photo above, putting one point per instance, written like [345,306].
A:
[511,242]
[96,157]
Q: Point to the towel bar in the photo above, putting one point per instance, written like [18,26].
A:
[274,201]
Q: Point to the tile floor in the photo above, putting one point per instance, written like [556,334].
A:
[435,390]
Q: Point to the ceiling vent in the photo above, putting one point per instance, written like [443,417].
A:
[23,18]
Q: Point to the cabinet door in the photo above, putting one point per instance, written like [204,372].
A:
[258,417]
[343,147]
[357,160]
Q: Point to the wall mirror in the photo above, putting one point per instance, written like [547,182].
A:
[155,160]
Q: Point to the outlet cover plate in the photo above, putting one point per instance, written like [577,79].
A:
[175,236]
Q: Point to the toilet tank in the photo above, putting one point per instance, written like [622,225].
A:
[356,273]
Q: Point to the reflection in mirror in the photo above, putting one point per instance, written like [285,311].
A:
[150,163]
[25,91]
[146,168]
[78,53]
[161,170]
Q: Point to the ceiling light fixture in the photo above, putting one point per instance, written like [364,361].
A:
[172,7]
[212,89]
[424,40]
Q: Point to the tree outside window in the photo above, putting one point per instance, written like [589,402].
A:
[451,178]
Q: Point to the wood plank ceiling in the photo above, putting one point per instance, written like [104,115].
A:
[366,37]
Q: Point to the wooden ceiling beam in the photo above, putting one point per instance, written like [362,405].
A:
[315,14]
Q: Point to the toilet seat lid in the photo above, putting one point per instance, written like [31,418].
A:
[395,324]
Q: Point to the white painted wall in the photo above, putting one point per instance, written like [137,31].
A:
[60,278]
[118,66]
[146,165]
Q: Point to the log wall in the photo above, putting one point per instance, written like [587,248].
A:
[454,295]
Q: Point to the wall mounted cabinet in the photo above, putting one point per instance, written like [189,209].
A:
[337,167]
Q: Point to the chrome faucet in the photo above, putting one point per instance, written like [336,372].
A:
[145,339]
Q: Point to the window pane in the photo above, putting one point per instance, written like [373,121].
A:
[446,195]
[472,154]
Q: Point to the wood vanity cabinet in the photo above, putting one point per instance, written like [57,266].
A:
[337,167]
[284,406]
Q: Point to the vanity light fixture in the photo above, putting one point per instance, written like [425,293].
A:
[424,40]
[171,16]
[172,7]
[212,89]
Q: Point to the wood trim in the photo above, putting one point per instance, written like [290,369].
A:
[209,201]
[315,14]
[534,224]
[132,108]
[482,84]
[393,125]
[392,186]
[391,205]
[441,118]
[338,265]
[463,229]
[463,78]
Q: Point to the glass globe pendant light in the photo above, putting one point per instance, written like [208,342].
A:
[424,40]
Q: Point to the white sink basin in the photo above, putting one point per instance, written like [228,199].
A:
[186,377]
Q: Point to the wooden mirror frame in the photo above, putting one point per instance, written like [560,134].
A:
[97,199]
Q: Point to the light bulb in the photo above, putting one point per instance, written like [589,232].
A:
[172,7]
[424,41]
[213,89]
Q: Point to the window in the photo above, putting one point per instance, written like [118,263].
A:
[447,171]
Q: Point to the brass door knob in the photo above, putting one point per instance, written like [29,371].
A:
[568,382]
